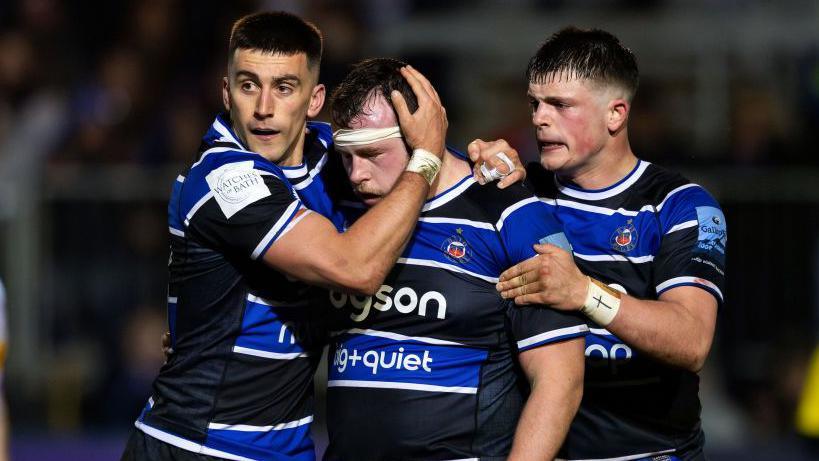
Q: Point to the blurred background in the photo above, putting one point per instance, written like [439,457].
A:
[103,103]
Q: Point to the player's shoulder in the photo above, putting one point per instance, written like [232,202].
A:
[540,181]
[322,131]
[669,190]
[498,203]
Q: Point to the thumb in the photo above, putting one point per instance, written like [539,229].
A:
[545,248]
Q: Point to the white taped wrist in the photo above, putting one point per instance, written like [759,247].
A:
[424,163]
[602,303]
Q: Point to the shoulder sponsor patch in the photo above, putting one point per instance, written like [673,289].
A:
[236,185]
[559,240]
[713,234]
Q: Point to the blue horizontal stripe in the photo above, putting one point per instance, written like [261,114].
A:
[287,444]
[370,358]
[431,241]
[264,330]
[593,234]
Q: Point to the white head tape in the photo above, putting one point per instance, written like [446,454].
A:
[361,136]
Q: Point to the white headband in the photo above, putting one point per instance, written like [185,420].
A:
[361,136]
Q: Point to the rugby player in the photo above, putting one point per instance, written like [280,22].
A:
[239,382]
[649,256]
[426,368]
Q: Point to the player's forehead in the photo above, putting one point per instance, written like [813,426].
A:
[265,64]
[560,84]
[375,113]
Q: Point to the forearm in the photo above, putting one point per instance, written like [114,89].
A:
[664,330]
[555,373]
[545,421]
[374,242]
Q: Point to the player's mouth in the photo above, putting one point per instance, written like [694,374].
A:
[264,134]
[546,147]
[369,199]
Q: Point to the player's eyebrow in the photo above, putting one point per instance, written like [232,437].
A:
[367,152]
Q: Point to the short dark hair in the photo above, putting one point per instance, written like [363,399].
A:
[591,54]
[365,79]
[277,32]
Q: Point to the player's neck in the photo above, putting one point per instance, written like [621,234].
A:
[605,170]
[453,169]
[295,156]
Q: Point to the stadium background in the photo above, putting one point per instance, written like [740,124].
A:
[102,103]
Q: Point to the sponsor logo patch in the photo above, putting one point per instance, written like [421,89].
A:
[624,238]
[235,186]
[712,234]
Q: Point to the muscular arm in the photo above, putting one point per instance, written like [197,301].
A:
[555,372]
[677,329]
[360,259]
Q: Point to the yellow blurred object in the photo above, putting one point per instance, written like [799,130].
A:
[807,413]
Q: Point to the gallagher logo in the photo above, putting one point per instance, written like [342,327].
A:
[456,248]
[624,239]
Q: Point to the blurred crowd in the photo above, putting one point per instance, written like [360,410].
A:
[96,90]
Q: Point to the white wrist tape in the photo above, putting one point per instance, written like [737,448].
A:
[358,137]
[602,303]
[493,174]
[424,163]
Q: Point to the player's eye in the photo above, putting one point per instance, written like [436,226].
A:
[533,104]
[285,89]
[247,86]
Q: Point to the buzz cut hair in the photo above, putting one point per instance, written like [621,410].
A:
[365,80]
[590,54]
[277,32]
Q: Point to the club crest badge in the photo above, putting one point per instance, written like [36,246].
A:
[456,248]
[624,239]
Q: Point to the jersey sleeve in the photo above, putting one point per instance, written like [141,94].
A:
[535,326]
[521,226]
[246,209]
[525,223]
[692,248]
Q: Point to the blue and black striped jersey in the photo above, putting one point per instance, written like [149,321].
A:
[246,339]
[648,233]
[425,369]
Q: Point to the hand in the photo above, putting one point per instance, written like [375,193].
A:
[166,345]
[426,128]
[551,277]
[481,151]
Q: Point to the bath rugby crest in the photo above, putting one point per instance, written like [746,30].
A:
[456,248]
[624,239]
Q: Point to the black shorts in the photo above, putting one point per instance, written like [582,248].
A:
[143,447]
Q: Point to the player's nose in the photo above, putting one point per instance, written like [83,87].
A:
[265,104]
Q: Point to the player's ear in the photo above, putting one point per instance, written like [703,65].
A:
[316,100]
[617,114]
[226,93]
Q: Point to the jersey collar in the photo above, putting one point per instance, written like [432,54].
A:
[606,192]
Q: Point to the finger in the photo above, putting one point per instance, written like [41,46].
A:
[529,265]
[511,178]
[413,77]
[400,106]
[427,85]
[547,248]
[474,148]
[476,173]
[525,300]
[530,289]
[526,278]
